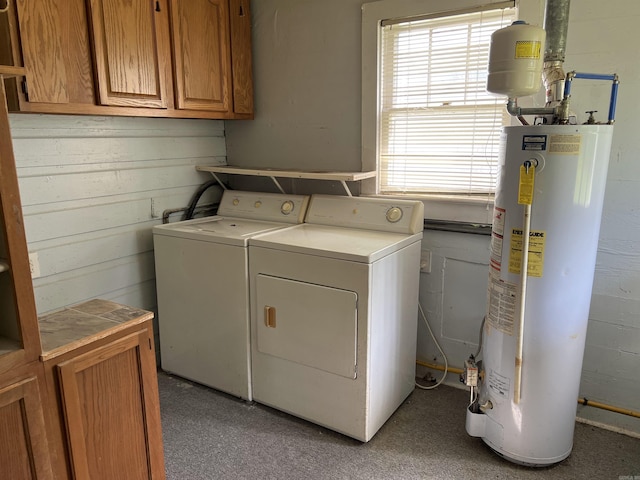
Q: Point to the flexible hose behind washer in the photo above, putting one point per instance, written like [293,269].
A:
[196,198]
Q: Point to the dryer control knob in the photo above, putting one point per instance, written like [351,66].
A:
[235,202]
[287,207]
[258,204]
[394,214]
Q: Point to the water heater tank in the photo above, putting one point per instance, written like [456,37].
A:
[536,428]
[516,60]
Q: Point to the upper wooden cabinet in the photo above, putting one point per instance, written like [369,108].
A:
[129,42]
[169,58]
[241,60]
[52,42]
[202,54]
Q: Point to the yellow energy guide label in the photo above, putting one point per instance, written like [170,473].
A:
[536,252]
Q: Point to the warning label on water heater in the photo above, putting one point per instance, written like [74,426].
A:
[497,236]
[501,302]
[499,383]
[565,144]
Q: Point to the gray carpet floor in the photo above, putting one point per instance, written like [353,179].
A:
[210,435]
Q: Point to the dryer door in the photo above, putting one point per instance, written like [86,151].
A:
[308,324]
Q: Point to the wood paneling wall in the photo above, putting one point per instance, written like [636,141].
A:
[92,189]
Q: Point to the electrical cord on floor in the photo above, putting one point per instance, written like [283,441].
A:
[446,363]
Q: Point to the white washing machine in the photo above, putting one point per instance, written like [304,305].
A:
[334,312]
[203,291]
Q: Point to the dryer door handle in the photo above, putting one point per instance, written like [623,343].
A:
[270,316]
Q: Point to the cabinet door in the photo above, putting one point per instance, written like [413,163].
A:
[240,17]
[42,51]
[110,404]
[200,34]
[55,52]
[24,453]
[130,38]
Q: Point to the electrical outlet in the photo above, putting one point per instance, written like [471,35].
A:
[425,261]
[34,265]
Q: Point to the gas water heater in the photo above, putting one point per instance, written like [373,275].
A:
[546,224]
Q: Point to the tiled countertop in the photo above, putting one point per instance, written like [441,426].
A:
[86,322]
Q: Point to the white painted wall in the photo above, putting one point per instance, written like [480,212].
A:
[307,59]
[93,187]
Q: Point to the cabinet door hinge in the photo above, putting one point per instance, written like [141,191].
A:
[25,89]
[157,6]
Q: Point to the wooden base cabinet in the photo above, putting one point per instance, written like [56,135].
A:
[92,367]
[105,390]
[24,450]
[111,417]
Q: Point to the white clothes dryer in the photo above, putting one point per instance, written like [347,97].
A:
[203,290]
[334,312]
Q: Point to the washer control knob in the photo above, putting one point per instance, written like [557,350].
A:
[235,202]
[394,214]
[287,207]
[258,204]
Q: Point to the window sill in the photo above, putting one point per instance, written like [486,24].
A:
[452,208]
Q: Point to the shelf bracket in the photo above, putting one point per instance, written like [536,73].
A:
[220,182]
[277,184]
[346,188]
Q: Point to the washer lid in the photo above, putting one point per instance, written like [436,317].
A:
[364,246]
[218,229]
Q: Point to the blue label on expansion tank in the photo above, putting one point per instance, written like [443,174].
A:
[536,143]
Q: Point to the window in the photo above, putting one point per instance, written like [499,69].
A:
[437,129]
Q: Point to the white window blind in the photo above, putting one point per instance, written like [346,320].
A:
[439,128]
